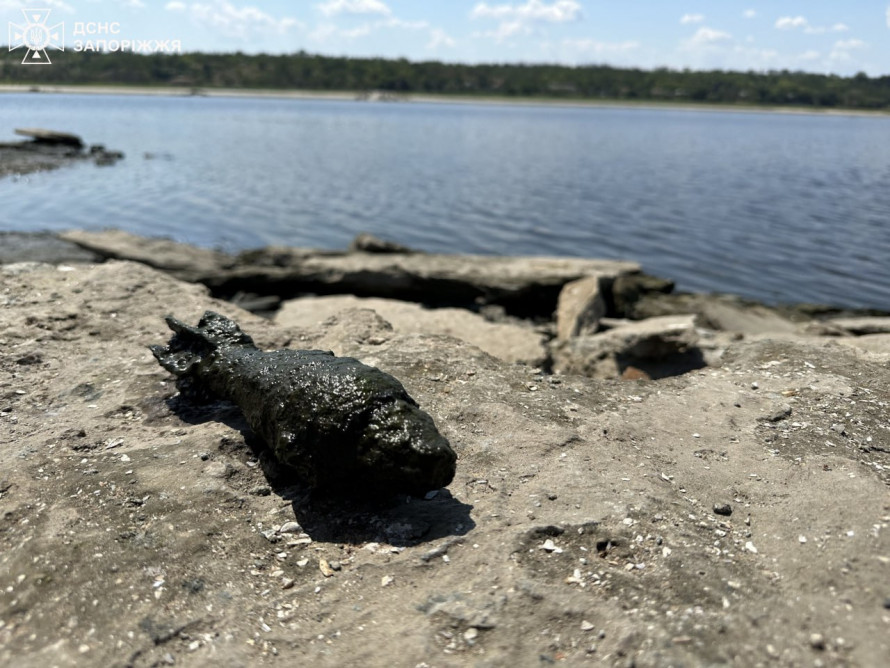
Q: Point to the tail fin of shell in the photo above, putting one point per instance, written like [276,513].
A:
[189,345]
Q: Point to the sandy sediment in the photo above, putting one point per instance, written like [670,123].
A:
[733,514]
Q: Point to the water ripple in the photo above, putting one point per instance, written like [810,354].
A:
[775,207]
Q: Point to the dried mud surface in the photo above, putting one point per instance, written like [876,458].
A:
[587,525]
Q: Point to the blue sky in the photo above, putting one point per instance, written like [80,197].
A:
[814,35]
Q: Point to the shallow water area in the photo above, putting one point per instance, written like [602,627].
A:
[778,207]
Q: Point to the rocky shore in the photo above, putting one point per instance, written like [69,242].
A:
[598,318]
[47,149]
[644,478]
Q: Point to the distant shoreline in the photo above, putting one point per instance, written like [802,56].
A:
[169,91]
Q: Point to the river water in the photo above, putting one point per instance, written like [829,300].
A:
[778,207]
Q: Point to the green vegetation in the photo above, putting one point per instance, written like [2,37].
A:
[324,73]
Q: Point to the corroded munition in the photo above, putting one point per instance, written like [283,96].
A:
[341,424]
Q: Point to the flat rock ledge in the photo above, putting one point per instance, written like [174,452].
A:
[735,515]
[525,285]
[598,318]
[508,342]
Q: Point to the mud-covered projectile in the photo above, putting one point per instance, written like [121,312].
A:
[341,424]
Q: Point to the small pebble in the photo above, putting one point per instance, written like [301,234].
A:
[325,568]
[755,385]
[586,626]
[217,470]
[386,580]
[817,641]
[782,412]
[750,547]
[550,546]
[723,509]
[290,527]
[261,490]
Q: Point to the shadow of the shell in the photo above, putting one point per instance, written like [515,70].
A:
[334,517]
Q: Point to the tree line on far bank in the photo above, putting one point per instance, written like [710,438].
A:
[326,73]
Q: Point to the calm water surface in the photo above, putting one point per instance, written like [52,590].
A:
[773,206]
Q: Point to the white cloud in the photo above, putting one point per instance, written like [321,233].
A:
[328,31]
[45,4]
[820,30]
[515,19]
[354,33]
[561,11]
[692,18]
[754,58]
[707,37]
[439,38]
[504,30]
[848,44]
[888,16]
[238,22]
[809,56]
[583,51]
[749,13]
[135,4]
[594,47]
[795,22]
[334,7]
[841,51]
[791,23]
[175,6]
[323,32]
[399,23]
